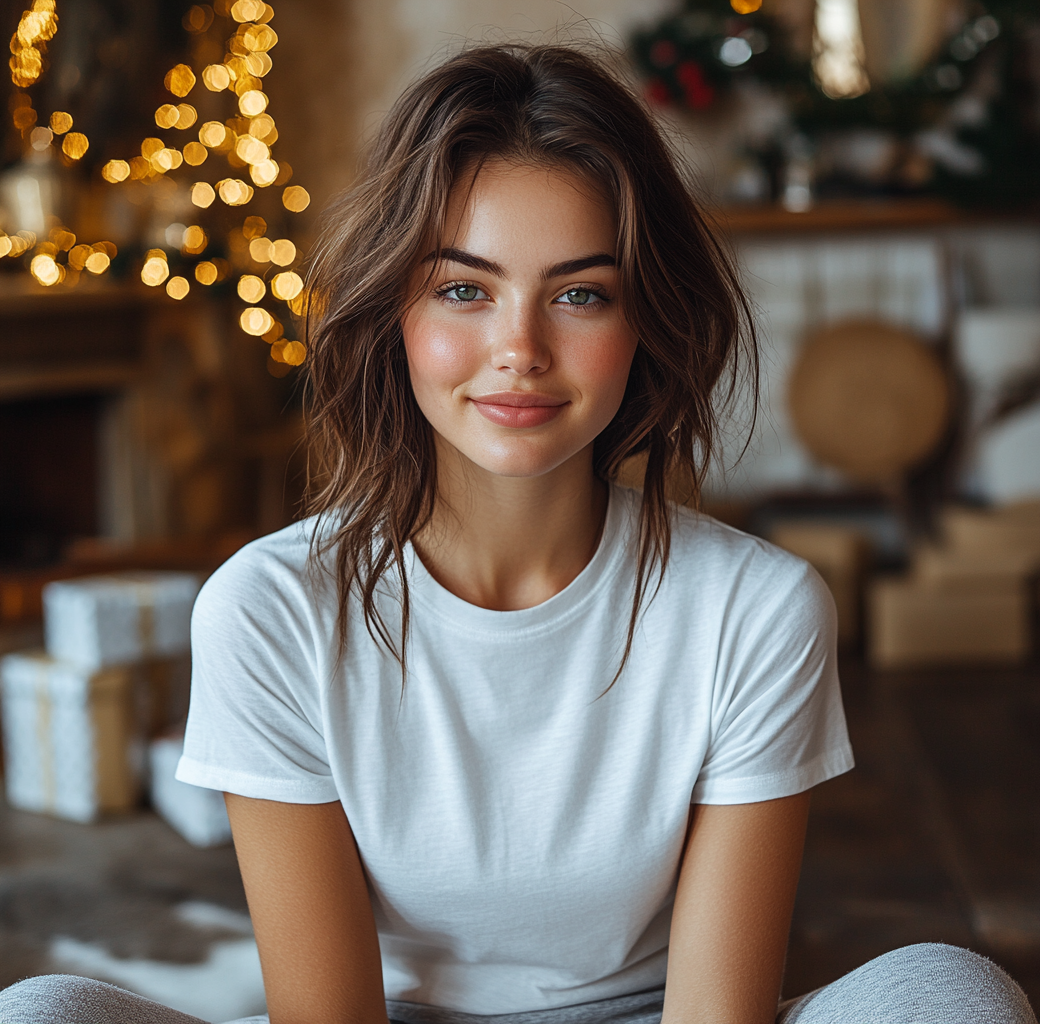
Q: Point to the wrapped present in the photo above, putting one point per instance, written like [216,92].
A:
[97,621]
[71,741]
[197,814]
[161,690]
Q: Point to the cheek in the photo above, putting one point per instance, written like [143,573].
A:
[601,366]
[438,358]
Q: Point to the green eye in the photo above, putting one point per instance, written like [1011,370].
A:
[465,292]
[579,296]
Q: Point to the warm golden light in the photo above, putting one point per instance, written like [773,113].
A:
[256,321]
[258,64]
[264,173]
[194,241]
[187,115]
[199,18]
[251,288]
[177,287]
[202,194]
[60,122]
[745,6]
[195,153]
[45,270]
[154,271]
[296,198]
[23,116]
[115,171]
[286,285]
[252,103]
[107,247]
[205,273]
[262,126]
[259,38]
[75,145]
[283,252]
[251,149]
[166,116]
[247,10]
[40,138]
[234,191]
[5,245]
[212,134]
[260,250]
[216,78]
[180,80]
[78,255]
[254,227]
[274,333]
[151,146]
[294,353]
[97,262]
[139,168]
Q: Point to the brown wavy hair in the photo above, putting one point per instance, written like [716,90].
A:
[375,484]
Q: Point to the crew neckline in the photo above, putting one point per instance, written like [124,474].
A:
[549,614]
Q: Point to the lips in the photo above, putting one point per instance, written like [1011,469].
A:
[519,408]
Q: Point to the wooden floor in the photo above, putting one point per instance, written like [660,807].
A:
[935,837]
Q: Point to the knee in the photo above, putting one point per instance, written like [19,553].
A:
[933,974]
[50,997]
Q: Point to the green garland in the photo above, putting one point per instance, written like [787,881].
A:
[692,59]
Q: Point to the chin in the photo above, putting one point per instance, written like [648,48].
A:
[521,461]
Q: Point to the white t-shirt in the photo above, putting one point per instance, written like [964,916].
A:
[522,833]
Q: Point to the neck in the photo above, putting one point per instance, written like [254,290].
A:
[511,542]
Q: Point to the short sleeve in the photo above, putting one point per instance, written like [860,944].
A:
[255,723]
[778,726]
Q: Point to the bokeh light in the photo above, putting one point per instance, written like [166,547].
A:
[251,288]
[177,287]
[286,285]
[256,321]
[115,171]
[180,80]
[75,145]
[203,194]
[60,122]
[296,198]
[283,252]
[205,272]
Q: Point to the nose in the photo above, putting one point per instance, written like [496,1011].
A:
[521,345]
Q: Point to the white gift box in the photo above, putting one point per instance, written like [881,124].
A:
[197,814]
[96,621]
[71,739]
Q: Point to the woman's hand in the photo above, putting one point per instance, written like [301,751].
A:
[311,912]
[733,911]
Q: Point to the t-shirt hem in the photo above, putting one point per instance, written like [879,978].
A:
[755,789]
[286,791]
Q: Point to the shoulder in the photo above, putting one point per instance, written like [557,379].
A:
[275,574]
[737,576]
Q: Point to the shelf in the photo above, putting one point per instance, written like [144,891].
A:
[64,380]
[862,215]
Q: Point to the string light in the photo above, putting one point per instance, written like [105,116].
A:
[245,140]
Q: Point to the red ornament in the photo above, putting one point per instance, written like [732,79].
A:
[698,91]
[663,53]
[657,92]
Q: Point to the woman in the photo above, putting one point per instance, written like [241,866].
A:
[501,739]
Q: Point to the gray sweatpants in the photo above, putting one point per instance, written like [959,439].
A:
[925,984]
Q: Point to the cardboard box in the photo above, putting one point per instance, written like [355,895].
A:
[1012,529]
[912,625]
[72,745]
[971,570]
[97,621]
[838,554]
[199,815]
[161,687]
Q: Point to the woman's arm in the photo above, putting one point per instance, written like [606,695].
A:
[311,912]
[733,910]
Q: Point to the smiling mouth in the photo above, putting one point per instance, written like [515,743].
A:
[518,408]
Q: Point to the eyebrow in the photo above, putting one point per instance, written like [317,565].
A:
[486,266]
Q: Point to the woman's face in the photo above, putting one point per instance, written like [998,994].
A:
[517,350]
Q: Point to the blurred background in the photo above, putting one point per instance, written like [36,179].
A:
[875,167]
